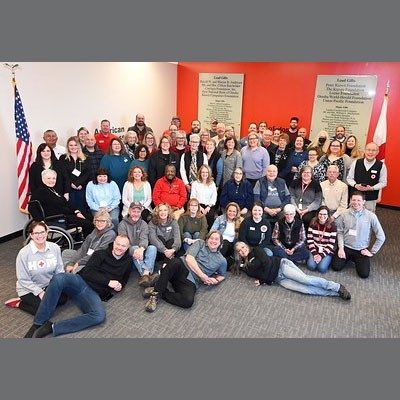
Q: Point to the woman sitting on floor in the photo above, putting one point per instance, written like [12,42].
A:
[267,270]
[36,264]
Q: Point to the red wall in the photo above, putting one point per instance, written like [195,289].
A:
[275,91]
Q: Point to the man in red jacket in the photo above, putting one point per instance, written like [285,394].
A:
[171,190]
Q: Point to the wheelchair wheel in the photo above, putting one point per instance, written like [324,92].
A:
[55,235]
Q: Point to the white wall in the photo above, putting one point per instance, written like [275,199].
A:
[66,96]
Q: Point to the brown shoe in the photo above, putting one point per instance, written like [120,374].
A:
[153,279]
[144,281]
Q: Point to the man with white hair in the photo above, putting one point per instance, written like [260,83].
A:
[334,192]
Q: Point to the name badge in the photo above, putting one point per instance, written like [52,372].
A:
[353,232]
[90,252]
[168,228]
[252,228]
[126,160]
[373,171]
[300,206]
[76,172]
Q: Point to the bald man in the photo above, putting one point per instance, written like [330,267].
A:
[368,175]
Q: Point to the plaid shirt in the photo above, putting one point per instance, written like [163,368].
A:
[286,236]
[94,159]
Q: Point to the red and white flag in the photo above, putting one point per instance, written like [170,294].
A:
[24,151]
[381,129]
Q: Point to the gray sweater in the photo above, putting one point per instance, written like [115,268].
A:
[169,230]
[35,268]
[137,232]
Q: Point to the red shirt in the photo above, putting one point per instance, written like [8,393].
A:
[173,193]
[104,141]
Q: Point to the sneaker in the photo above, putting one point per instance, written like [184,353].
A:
[144,281]
[153,279]
[43,330]
[151,303]
[147,292]
[13,303]
[344,293]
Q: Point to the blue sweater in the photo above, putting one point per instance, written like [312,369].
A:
[241,194]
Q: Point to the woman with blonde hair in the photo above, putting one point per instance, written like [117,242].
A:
[164,232]
[205,191]
[78,171]
[321,143]
[351,151]
[228,225]
[137,189]
[192,224]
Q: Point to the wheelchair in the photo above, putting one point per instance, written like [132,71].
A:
[62,233]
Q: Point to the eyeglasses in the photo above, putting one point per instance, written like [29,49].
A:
[38,233]
[101,220]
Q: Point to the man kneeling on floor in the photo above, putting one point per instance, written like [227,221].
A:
[106,272]
[202,264]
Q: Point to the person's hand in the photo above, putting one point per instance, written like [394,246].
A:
[169,253]
[113,284]
[366,252]
[66,196]
[289,252]
[80,215]
[294,169]
[269,211]
[317,258]
[188,188]
[206,280]
[206,210]
[244,211]
[73,186]
[341,253]
[41,294]
[138,254]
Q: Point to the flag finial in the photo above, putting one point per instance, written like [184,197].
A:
[387,87]
[12,68]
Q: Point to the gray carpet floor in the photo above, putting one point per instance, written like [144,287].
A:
[239,309]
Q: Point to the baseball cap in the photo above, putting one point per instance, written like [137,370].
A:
[136,205]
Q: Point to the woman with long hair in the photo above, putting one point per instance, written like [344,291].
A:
[228,225]
[36,264]
[150,141]
[351,151]
[141,158]
[46,159]
[237,190]
[205,191]
[333,156]
[78,170]
[214,161]
[164,232]
[116,162]
[192,224]
[137,189]
[268,270]
[321,240]
[103,194]
[231,159]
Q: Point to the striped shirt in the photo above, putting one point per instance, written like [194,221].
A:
[321,239]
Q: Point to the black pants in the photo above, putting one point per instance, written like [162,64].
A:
[227,250]
[176,273]
[168,244]
[86,224]
[30,303]
[210,216]
[362,263]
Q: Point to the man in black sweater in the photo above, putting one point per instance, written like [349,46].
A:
[106,272]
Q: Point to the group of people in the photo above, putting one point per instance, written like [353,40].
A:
[186,211]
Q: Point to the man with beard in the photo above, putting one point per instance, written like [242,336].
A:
[140,127]
[340,134]
[293,130]
[195,128]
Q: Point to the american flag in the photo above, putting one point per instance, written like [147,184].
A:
[24,151]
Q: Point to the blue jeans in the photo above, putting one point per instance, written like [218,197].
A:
[293,278]
[268,251]
[81,294]
[299,255]
[322,266]
[149,258]
[188,235]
